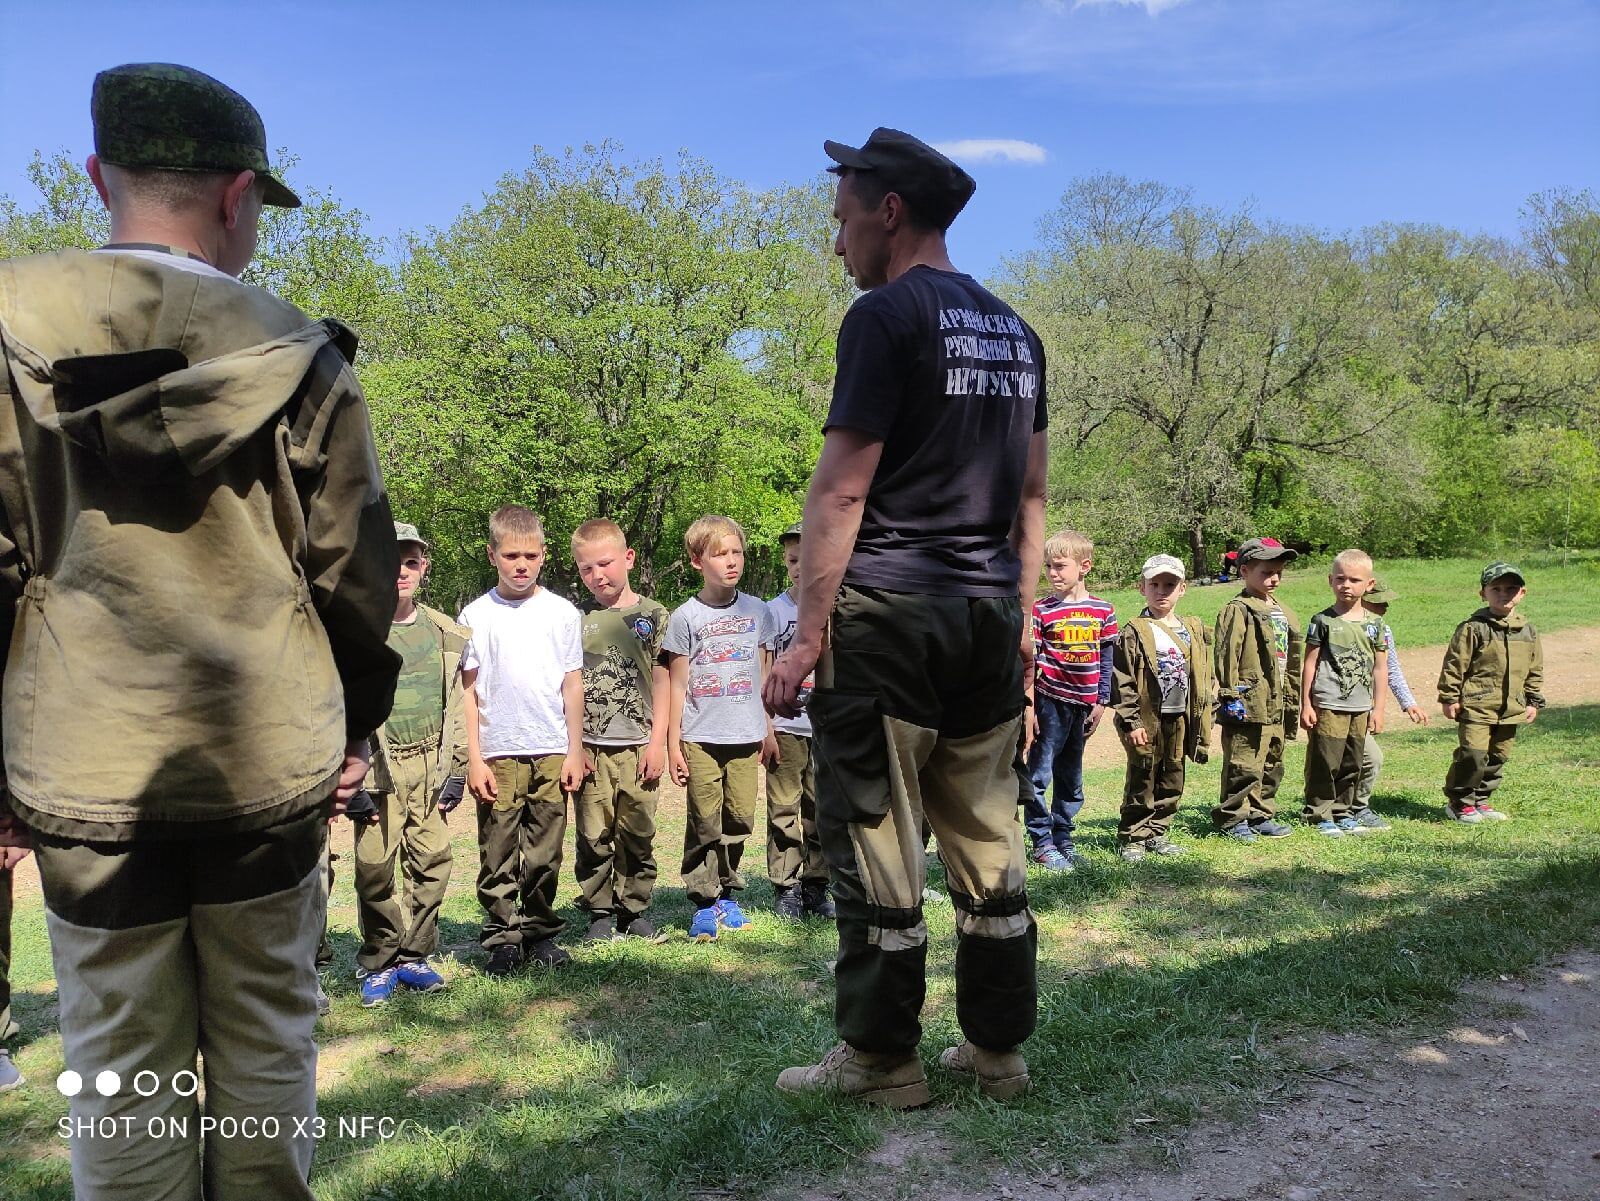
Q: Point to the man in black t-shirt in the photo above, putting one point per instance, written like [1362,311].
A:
[924,540]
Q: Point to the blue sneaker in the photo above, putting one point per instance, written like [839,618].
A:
[1368,820]
[1051,859]
[730,915]
[1329,829]
[703,927]
[1267,828]
[1351,826]
[377,987]
[418,977]
[1240,832]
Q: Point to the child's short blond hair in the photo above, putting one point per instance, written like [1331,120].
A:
[709,530]
[1068,544]
[1355,559]
[598,529]
[514,521]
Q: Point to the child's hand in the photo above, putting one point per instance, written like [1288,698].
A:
[1139,736]
[1530,713]
[770,755]
[588,763]
[1417,716]
[680,765]
[652,763]
[1096,712]
[1308,717]
[573,769]
[1374,722]
[480,783]
[1451,709]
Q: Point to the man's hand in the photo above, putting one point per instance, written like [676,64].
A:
[680,765]
[1450,709]
[652,763]
[10,856]
[1139,737]
[357,755]
[1417,715]
[480,782]
[362,808]
[451,792]
[1096,712]
[770,755]
[573,770]
[780,692]
[1530,713]
[1308,717]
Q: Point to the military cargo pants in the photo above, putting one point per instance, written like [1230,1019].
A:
[1153,787]
[1371,765]
[8,1028]
[168,948]
[1333,765]
[1252,769]
[410,828]
[519,850]
[794,851]
[721,814]
[615,813]
[1478,764]
[918,716]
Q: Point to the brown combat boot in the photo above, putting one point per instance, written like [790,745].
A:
[1001,1075]
[896,1081]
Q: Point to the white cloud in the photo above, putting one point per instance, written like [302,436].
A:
[993,150]
[1153,7]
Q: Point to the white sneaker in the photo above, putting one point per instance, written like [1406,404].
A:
[10,1078]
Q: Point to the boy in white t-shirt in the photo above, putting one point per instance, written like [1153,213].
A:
[795,865]
[523,675]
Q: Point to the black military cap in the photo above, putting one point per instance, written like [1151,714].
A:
[179,119]
[933,184]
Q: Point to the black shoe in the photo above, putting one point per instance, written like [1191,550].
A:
[602,929]
[503,960]
[789,904]
[640,926]
[815,902]
[545,953]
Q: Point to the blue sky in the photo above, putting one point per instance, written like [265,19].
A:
[1320,112]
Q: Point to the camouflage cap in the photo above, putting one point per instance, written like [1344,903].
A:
[1265,550]
[1499,571]
[404,531]
[792,532]
[179,119]
[1380,593]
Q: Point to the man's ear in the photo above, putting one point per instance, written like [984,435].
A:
[97,177]
[233,197]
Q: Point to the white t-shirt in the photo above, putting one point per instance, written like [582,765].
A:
[786,615]
[521,651]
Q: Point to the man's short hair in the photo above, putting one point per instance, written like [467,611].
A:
[870,187]
[709,530]
[174,191]
[598,529]
[514,521]
[1354,558]
[1068,544]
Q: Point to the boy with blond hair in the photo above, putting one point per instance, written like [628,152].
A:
[1073,637]
[625,716]
[523,675]
[1492,681]
[1339,701]
[719,732]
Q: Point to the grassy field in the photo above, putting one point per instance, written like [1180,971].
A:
[1170,991]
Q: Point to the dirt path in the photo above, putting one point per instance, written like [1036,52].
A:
[1502,1107]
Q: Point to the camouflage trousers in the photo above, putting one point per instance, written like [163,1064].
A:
[1153,786]
[794,849]
[721,814]
[169,949]
[402,925]
[1252,769]
[519,850]
[1479,763]
[8,1028]
[918,717]
[615,814]
[1333,765]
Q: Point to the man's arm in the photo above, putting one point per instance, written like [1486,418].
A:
[832,519]
[1027,530]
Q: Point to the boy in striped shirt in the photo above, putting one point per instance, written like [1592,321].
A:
[1073,637]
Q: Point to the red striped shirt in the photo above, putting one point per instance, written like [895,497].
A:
[1074,640]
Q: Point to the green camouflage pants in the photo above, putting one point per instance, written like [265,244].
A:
[722,811]
[615,814]
[1153,786]
[794,851]
[8,1028]
[1371,765]
[1478,764]
[1333,765]
[165,949]
[519,850]
[918,716]
[1252,769]
[409,828]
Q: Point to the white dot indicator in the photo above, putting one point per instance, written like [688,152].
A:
[69,1083]
[107,1083]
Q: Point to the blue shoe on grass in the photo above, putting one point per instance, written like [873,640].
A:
[377,988]
[1240,832]
[704,926]
[730,915]
[1267,828]
[1329,829]
[418,977]
[1051,859]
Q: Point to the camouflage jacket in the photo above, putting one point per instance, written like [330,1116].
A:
[1136,692]
[453,733]
[197,560]
[1494,669]
[1247,663]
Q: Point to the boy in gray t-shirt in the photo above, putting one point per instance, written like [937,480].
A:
[719,732]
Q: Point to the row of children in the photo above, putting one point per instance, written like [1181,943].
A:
[1166,678]
[525,701]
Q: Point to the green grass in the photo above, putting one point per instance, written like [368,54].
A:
[1170,991]
[1435,594]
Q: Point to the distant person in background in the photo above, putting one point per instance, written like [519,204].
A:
[1377,603]
[199,561]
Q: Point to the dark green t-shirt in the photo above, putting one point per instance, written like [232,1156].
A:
[620,649]
[418,713]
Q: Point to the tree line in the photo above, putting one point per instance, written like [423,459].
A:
[650,342]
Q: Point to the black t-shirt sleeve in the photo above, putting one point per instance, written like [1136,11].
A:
[876,363]
[1041,409]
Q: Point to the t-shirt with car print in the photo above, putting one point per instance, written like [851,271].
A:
[722,702]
